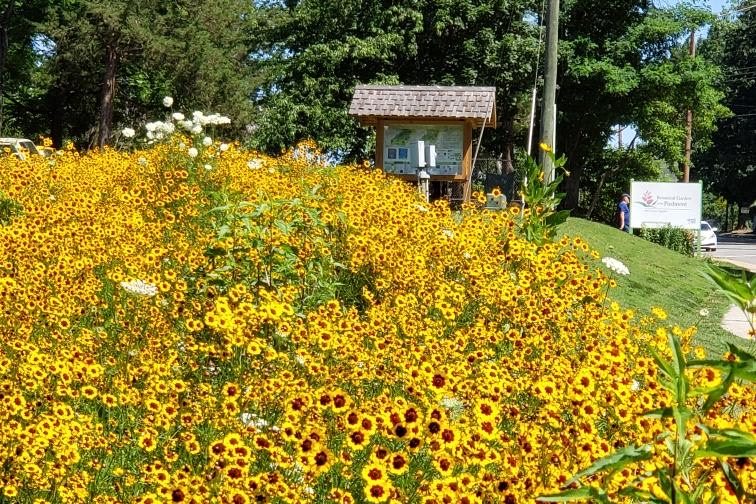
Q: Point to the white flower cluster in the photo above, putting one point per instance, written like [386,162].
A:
[161,129]
[140,288]
[209,120]
[252,420]
[158,130]
[453,404]
[615,265]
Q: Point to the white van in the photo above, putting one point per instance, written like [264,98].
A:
[19,147]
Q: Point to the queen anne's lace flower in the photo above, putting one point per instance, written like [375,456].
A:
[128,132]
[140,288]
[615,265]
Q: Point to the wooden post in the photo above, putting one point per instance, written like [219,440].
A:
[689,118]
[379,133]
[467,159]
[548,114]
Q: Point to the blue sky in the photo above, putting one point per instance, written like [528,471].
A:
[717,5]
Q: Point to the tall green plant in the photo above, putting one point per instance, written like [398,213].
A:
[542,199]
[686,480]
[740,289]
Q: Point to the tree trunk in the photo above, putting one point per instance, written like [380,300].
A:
[508,150]
[107,96]
[5,18]
[596,195]
[57,100]
[572,188]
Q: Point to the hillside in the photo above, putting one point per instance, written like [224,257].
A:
[659,278]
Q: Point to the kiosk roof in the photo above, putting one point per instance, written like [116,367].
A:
[437,103]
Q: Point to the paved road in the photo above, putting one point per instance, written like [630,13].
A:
[739,249]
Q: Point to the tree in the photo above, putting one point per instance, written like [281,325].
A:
[628,66]
[99,63]
[728,168]
[314,53]
[18,59]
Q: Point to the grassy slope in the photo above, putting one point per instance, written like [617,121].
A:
[660,277]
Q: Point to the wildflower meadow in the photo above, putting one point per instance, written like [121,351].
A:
[183,320]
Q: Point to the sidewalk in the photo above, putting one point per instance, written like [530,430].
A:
[737,264]
[735,322]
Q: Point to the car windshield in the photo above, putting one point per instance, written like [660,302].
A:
[29,146]
[705,226]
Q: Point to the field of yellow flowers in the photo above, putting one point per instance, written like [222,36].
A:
[206,324]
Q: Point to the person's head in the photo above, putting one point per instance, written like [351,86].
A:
[625,198]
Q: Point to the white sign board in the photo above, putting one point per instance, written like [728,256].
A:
[659,204]
[441,145]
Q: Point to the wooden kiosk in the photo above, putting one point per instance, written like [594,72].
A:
[426,131]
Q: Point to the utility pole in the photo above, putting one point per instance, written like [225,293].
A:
[689,119]
[548,110]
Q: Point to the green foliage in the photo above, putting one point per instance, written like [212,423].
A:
[311,55]
[684,445]
[727,168]
[630,67]
[679,240]
[9,209]
[540,223]
[64,48]
[608,174]
[246,252]
[739,289]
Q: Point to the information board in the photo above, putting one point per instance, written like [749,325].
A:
[442,148]
[660,204]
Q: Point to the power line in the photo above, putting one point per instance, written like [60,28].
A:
[737,11]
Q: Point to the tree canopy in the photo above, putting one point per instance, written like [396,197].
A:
[728,167]
[286,70]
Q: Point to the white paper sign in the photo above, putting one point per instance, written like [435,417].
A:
[409,146]
[659,204]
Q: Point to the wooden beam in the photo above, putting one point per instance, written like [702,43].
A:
[467,157]
[379,134]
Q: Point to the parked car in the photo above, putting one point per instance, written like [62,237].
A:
[19,147]
[708,236]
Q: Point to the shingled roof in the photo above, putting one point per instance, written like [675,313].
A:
[424,102]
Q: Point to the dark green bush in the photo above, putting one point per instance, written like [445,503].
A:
[679,240]
[8,209]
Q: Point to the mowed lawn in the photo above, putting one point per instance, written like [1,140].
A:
[662,278]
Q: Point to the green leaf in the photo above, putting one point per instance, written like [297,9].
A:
[663,365]
[733,480]
[681,415]
[665,482]
[615,461]
[728,443]
[215,252]
[660,413]
[641,495]
[737,290]
[557,218]
[739,352]
[582,493]
[678,360]
[717,393]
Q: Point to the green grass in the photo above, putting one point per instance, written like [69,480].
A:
[662,278]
